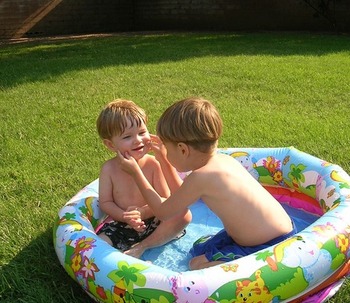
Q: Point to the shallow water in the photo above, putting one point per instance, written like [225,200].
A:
[175,255]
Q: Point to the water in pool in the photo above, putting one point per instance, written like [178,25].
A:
[175,255]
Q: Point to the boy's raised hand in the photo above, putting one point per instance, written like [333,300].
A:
[127,163]
[158,147]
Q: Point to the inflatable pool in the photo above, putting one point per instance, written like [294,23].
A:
[308,267]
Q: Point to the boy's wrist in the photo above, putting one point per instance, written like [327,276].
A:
[162,160]
[145,212]
[141,210]
[136,173]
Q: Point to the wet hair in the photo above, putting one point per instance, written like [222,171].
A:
[194,121]
[114,118]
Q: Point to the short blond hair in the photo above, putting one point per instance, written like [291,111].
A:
[194,121]
[114,118]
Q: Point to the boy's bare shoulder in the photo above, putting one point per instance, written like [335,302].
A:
[149,160]
[220,167]
[149,164]
[220,162]
[228,162]
[109,166]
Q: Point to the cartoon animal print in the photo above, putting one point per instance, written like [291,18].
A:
[313,260]
[247,161]
[253,291]
[189,289]
[229,267]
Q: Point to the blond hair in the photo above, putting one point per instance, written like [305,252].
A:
[114,118]
[194,121]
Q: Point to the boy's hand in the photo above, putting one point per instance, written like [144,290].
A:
[158,147]
[127,163]
[132,217]
[138,225]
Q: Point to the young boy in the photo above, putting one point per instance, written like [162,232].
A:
[122,127]
[252,218]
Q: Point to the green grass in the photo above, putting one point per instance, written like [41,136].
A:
[272,89]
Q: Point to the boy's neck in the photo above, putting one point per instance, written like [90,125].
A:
[199,159]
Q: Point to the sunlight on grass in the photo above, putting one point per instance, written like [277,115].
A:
[271,89]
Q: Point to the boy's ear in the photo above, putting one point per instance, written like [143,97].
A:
[109,144]
[184,148]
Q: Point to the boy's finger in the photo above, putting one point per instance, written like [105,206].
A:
[120,154]
[127,156]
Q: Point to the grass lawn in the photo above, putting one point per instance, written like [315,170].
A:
[272,90]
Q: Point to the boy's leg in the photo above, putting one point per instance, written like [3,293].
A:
[165,232]
[201,262]
[104,237]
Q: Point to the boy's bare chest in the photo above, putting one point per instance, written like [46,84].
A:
[126,192]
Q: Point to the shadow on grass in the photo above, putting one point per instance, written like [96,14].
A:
[35,275]
[36,61]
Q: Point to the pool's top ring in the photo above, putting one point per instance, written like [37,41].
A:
[285,272]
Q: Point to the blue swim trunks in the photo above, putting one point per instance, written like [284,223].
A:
[221,247]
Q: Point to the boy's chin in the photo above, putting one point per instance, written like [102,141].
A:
[139,154]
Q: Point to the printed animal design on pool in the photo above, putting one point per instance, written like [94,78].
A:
[253,291]
[314,261]
[247,162]
[183,285]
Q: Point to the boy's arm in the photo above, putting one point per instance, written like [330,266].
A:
[106,202]
[171,175]
[150,195]
[171,206]
[158,180]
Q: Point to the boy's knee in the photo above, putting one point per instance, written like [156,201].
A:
[104,237]
[197,262]
[182,219]
[187,217]
[192,264]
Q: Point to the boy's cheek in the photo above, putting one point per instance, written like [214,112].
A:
[147,148]
[147,141]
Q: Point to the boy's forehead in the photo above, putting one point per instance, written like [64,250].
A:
[132,123]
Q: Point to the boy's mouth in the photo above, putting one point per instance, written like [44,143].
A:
[139,148]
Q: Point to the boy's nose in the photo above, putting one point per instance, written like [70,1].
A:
[138,139]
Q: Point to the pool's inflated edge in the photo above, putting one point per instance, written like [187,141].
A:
[287,272]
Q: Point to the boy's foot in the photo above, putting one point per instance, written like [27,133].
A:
[138,249]
[135,251]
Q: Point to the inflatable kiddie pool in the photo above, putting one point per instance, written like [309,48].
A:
[304,268]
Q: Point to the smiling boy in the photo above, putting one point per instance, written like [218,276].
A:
[134,228]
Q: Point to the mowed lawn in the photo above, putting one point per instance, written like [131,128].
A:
[272,90]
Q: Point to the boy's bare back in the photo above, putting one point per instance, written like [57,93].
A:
[250,215]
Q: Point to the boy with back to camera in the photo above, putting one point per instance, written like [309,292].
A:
[251,217]
[122,127]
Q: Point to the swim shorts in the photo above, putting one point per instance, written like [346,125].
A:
[123,236]
[221,247]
